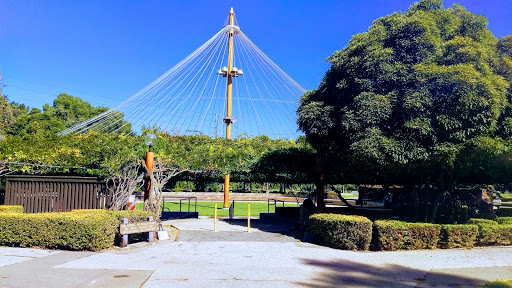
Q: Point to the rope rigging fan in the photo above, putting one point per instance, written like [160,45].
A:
[188,99]
[191,97]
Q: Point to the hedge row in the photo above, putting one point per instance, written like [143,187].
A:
[504,220]
[396,235]
[58,230]
[458,236]
[355,233]
[11,209]
[341,231]
[77,230]
[491,232]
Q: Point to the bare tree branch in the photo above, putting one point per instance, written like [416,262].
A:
[159,176]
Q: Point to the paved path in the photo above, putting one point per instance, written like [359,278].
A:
[263,258]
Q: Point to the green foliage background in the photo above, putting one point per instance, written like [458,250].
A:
[422,99]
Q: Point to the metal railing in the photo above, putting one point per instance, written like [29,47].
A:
[181,200]
[273,204]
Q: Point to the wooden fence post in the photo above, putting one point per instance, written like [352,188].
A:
[150,236]
[125,236]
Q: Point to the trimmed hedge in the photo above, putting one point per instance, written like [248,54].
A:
[396,235]
[478,221]
[57,230]
[132,216]
[76,230]
[492,233]
[504,220]
[11,209]
[341,231]
[458,236]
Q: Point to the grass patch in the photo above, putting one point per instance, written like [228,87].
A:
[207,208]
[499,284]
[506,196]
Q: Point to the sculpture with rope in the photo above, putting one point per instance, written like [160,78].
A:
[191,97]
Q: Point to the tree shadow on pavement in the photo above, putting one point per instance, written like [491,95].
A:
[354,274]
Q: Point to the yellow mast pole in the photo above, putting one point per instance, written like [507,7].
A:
[228,119]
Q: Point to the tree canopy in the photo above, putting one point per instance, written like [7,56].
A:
[403,100]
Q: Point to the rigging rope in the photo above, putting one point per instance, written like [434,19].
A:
[187,99]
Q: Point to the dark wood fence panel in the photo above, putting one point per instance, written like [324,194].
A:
[40,194]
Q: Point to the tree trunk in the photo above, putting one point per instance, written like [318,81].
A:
[415,212]
[320,188]
[426,204]
[338,193]
[435,205]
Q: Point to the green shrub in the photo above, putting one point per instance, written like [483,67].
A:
[504,283]
[57,230]
[11,209]
[478,221]
[504,220]
[76,230]
[492,233]
[132,216]
[341,231]
[396,235]
[88,211]
[458,236]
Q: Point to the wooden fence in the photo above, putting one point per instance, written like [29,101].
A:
[39,194]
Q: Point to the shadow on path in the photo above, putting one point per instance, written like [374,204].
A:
[354,274]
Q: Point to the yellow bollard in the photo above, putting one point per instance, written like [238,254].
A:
[215,219]
[248,218]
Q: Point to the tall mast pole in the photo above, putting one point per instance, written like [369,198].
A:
[228,120]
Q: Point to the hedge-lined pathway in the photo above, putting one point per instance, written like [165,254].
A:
[268,259]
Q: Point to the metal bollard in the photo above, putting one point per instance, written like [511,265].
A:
[215,219]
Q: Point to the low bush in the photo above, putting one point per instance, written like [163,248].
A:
[132,216]
[89,211]
[11,209]
[76,230]
[478,221]
[57,230]
[457,236]
[341,231]
[504,283]
[492,233]
[396,235]
[504,220]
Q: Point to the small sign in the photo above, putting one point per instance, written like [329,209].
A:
[139,227]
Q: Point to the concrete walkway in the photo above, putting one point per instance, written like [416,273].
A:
[263,258]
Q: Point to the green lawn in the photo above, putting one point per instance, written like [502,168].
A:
[207,208]
[506,197]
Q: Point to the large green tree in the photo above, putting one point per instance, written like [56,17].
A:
[65,112]
[402,100]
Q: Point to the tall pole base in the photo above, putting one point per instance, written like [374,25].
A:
[150,157]
[226,191]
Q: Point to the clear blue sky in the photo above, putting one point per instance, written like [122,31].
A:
[105,51]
